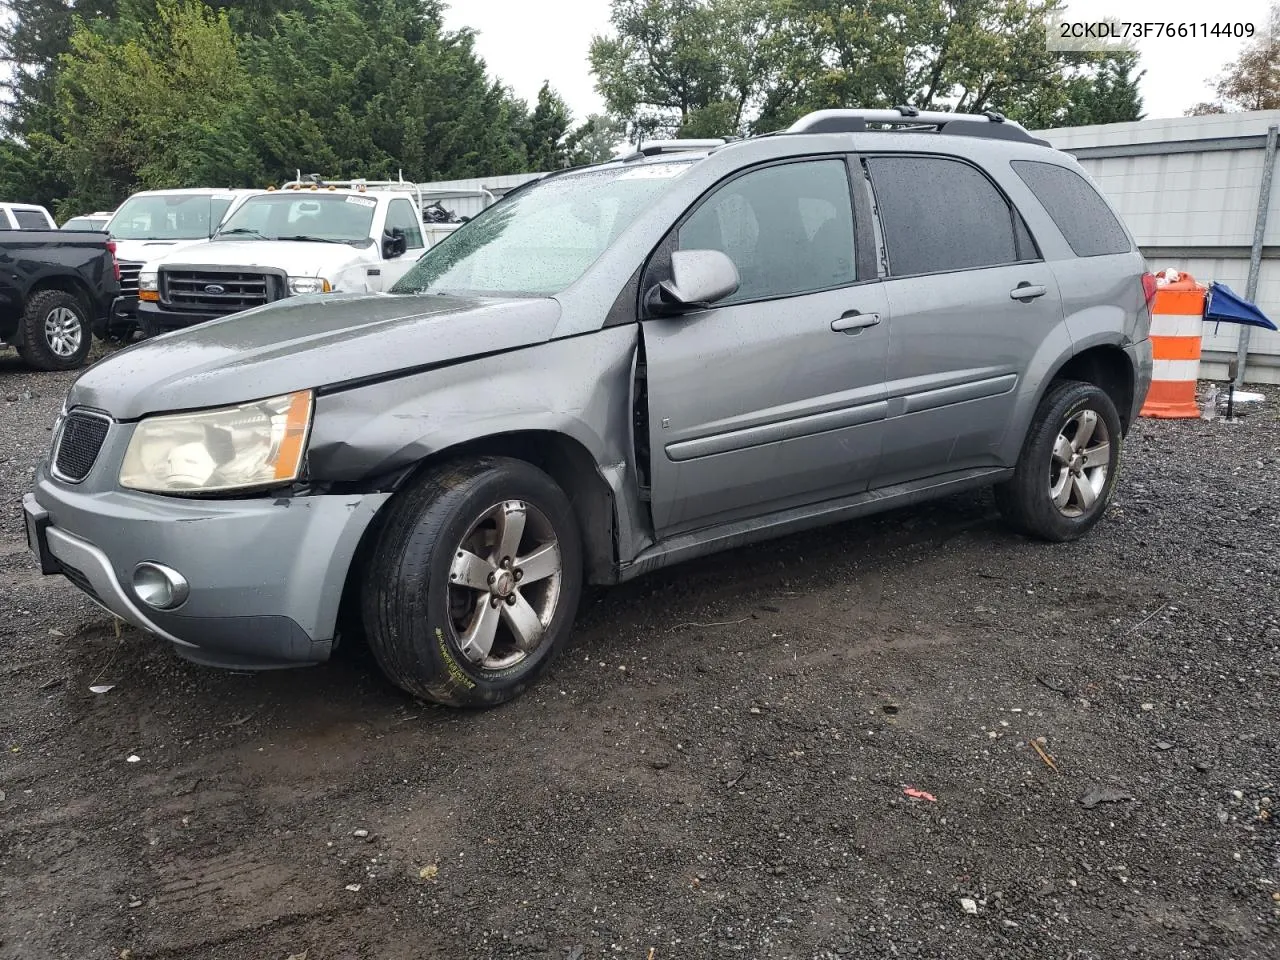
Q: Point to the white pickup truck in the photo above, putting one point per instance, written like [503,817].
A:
[156,223]
[310,237]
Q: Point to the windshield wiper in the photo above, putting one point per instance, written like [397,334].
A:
[312,239]
[243,231]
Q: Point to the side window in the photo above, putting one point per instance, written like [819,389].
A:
[1084,218]
[787,228]
[31,220]
[939,215]
[400,214]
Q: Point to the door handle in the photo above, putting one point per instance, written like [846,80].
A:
[854,322]
[1026,292]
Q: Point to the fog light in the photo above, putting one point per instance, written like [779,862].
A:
[160,587]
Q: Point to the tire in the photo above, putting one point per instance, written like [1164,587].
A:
[1061,486]
[56,331]
[426,628]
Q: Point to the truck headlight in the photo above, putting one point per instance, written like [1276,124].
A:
[301,285]
[257,444]
[149,286]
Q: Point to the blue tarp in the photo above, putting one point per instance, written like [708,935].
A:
[1223,305]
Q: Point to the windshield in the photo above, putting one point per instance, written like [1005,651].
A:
[335,218]
[542,239]
[169,216]
[83,223]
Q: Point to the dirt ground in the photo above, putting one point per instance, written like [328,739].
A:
[716,765]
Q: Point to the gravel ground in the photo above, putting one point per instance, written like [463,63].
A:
[714,768]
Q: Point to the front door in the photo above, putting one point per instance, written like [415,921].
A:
[774,397]
[971,302]
[400,216]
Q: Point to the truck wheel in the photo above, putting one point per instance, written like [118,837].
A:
[474,581]
[55,331]
[1068,465]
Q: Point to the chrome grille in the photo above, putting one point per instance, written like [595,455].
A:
[211,292]
[79,441]
[129,270]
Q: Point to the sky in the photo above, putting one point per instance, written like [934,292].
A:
[525,43]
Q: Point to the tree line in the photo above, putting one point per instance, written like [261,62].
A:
[103,97]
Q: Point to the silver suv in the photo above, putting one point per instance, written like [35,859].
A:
[615,368]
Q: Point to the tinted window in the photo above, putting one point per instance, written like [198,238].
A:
[788,229]
[1081,214]
[31,220]
[940,215]
[400,215]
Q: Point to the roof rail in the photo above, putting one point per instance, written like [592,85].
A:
[989,124]
[652,148]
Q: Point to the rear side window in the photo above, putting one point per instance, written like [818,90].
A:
[1084,218]
[939,215]
[31,220]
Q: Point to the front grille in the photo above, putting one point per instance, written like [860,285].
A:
[129,270]
[78,444]
[220,293]
[80,580]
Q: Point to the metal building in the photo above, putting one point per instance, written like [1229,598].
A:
[1193,192]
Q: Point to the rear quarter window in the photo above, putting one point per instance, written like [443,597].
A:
[1087,223]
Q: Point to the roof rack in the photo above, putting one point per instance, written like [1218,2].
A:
[907,119]
[419,191]
[653,148]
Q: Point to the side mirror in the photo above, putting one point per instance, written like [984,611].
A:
[393,244]
[698,279]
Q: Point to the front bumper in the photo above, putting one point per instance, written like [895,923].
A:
[161,318]
[266,575]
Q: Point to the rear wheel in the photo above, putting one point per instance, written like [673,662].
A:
[1068,465]
[55,331]
[474,582]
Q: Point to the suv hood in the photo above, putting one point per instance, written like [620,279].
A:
[323,340]
[296,257]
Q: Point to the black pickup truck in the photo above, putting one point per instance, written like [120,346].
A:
[54,285]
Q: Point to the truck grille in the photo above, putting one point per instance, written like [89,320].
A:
[78,444]
[220,293]
[129,270]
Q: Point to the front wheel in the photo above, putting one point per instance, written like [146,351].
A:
[474,582]
[1067,469]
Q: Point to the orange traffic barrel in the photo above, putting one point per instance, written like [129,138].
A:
[1176,322]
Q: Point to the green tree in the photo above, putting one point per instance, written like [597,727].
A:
[182,122]
[596,140]
[714,67]
[544,134]
[1252,82]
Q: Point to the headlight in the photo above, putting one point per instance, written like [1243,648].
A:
[258,444]
[149,280]
[302,285]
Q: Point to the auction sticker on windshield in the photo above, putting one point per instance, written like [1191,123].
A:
[362,201]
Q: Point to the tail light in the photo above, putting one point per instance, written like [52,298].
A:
[115,264]
[1149,287]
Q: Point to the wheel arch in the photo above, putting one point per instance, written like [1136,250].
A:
[1107,367]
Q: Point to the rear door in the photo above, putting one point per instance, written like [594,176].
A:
[971,300]
[774,397]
